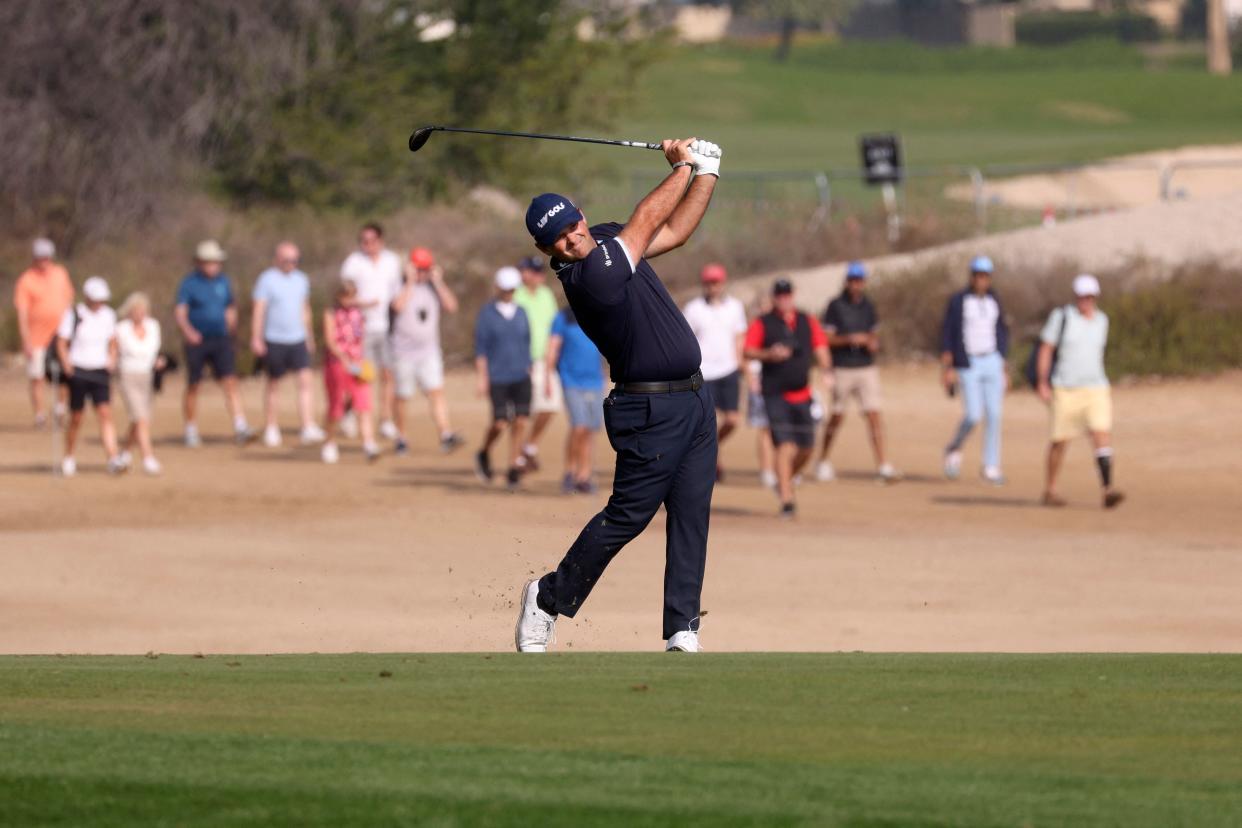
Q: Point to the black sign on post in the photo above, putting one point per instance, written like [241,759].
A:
[881,158]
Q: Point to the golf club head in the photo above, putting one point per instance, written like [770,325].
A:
[419,137]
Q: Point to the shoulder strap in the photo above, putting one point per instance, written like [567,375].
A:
[1064,321]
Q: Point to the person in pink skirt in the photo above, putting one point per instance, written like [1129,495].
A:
[345,371]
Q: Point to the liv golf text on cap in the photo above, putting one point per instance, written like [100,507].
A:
[548,215]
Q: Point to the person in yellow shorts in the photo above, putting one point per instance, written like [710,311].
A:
[1072,380]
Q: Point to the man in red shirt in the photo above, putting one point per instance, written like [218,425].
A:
[787,341]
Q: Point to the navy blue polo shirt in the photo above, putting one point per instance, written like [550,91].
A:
[628,314]
[206,299]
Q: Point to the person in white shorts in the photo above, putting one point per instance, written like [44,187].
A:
[376,272]
[138,348]
[1072,380]
[41,296]
[418,361]
[539,302]
[86,347]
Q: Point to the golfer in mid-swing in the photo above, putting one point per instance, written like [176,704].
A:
[660,419]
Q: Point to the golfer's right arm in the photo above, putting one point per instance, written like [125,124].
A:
[654,211]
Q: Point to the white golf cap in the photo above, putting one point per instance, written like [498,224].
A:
[1086,285]
[43,248]
[508,278]
[210,251]
[95,288]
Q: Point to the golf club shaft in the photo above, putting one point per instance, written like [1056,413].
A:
[613,142]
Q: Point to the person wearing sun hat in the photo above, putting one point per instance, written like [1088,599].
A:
[87,348]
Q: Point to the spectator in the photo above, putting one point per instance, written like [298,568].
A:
[502,360]
[376,271]
[347,373]
[719,324]
[86,347]
[787,341]
[537,299]
[757,418]
[41,297]
[573,356]
[138,347]
[851,324]
[206,313]
[974,344]
[418,359]
[1072,379]
[280,333]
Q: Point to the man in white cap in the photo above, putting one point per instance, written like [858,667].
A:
[41,297]
[206,313]
[1071,376]
[502,360]
[87,348]
[377,273]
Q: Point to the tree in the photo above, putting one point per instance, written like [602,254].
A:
[789,14]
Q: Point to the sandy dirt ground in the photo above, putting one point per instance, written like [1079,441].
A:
[252,550]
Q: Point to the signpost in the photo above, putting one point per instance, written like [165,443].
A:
[881,160]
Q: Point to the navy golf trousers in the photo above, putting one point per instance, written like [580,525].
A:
[666,454]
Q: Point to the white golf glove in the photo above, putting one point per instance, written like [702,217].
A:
[706,157]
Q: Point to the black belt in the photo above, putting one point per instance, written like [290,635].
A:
[694,383]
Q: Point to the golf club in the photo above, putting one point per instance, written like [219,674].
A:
[420,136]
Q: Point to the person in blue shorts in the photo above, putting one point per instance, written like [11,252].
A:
[578,363]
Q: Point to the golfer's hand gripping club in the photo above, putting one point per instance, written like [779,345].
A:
[706,157]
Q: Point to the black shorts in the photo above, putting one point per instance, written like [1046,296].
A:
[95,385]
[726,391]
[282,359]
[790,422]
[216,351]
[511,399]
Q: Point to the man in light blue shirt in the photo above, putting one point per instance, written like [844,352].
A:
[281,335]
[1072,379]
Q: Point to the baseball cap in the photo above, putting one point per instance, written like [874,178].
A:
[508,278]
[531,263]
[981,264]
[43,248]
[548,215]
[713,273]
[782,287]
[95,288]
[856,270]
[1086,285]
[210,251]
[421,258]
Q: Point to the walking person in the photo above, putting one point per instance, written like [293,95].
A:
[86,347]
[206,313]
[757,418]
[1072,380]
[974,345]
[41,296]
[852,326]
[719,324]
[418,361]
[347,373]
[280,333]
[502,362]
[537,299]
[138,349]
[376,271]
[789,343]
[575,359]
[659,417]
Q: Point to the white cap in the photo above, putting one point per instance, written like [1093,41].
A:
[508,278]
[96,289]
[43,248]
[210,251]
[1086,285]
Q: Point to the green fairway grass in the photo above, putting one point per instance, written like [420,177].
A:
[601,739]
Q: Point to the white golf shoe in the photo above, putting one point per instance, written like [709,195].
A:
[330,453]
[824,472]
[534,626]
[271,436]
[68,467]
[685,641]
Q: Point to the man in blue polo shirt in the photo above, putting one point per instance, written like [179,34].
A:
[206,313]
[660,419]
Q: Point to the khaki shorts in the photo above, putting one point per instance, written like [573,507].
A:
[543,402]
[418,373]
[1076,411]
[36,366]
[861,383]
[136,391]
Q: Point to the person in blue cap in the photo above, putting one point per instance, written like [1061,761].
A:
[973,348]
[660,418]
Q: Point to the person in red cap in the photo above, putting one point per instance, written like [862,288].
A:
[418,361]
[719,324]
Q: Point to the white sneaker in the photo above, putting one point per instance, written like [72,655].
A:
[115,466]
[349,425]
[952,464]
[991,474]
[767,479]
[825,473]
[887,473]
[388,430]
[311,435]
[372,452]
[68,467]
[192,437]
[534,626]
[329,453]
[125,459]
[797,480]
[271,436]
[685,641]
[151,466]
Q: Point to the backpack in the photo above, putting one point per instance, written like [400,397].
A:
[1031,371]
[52,369]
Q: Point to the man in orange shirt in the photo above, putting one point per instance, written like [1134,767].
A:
[42,296]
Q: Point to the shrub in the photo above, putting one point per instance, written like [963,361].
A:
[1060,28]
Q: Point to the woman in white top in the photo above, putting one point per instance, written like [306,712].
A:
[138,341]
[86,345]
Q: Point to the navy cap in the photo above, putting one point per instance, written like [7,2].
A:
[548,215]
[782,287]
[856,270]
[531,263]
